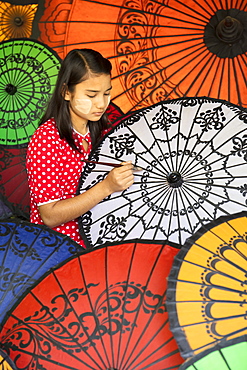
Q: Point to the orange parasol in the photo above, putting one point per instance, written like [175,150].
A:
[159,50]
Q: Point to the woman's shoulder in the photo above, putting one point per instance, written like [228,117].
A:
[48,130]
[47,127]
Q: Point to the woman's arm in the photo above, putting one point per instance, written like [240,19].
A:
[59,212]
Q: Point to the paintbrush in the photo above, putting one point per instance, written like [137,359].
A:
[135,168]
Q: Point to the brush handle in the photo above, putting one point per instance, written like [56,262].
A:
[135,168]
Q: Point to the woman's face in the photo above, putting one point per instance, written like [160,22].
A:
[90,99]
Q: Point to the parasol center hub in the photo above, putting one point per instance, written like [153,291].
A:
[229,30]
[10,89]
[18,21]
[175,179]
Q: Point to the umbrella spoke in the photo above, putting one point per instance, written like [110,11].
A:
[105,315]
[215,288]
[224,158]
[193,54]
[124,362]
[145,42]
[28,74]
[192,152]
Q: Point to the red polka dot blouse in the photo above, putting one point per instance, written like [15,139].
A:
[54,170]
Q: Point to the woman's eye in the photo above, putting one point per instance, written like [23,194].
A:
[91,96]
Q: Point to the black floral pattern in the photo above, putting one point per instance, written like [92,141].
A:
[193,155]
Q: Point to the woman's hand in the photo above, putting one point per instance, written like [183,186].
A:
[120,178]
[61,211]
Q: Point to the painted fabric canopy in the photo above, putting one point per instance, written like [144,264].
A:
[159,50]
[104,309]
[192,153]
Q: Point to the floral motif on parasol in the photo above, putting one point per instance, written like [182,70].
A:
[103,310]
[28,75]
[193,156]
[159,50]
[206,298]
[27,252]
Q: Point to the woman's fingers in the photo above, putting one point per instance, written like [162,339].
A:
[120,178]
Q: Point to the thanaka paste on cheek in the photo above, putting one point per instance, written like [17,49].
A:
[83,105]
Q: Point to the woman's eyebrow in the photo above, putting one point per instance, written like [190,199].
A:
[89,90]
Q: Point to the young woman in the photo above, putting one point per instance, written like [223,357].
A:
[72,125]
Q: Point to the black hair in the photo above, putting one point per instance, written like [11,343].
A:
[75,68]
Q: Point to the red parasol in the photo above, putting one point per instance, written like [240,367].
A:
[159,50]
[14,191]
[103,310]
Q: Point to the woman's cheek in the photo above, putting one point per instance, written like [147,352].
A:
[108,100]
[83,105]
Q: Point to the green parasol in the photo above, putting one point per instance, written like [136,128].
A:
[226,355]
[28,72]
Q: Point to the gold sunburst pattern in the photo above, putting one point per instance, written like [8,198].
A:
[16,20]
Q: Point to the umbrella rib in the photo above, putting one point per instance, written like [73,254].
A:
[209,4]
[240,66]
[205,66]
[181,167]
[182,190]
[187,217]
[18,117]
[42,333]
[208,269]
[219,146]
[233,62]
[202,47]
[130,214]
[123,365]
[80,321]
[194,81]
[210,202]
[224,358]
[193,182]
[195,201]
[138,155]
[95,315]
[109,311]
[199,45]
[142,11]
[168,228]
[124,301]
[201,18]
[223,157]
[213,171]
[169,78]
[131,366]
[43,357]
[220,320]
[165,197]
[190,8]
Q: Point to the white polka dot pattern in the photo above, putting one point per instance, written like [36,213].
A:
[54,169]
